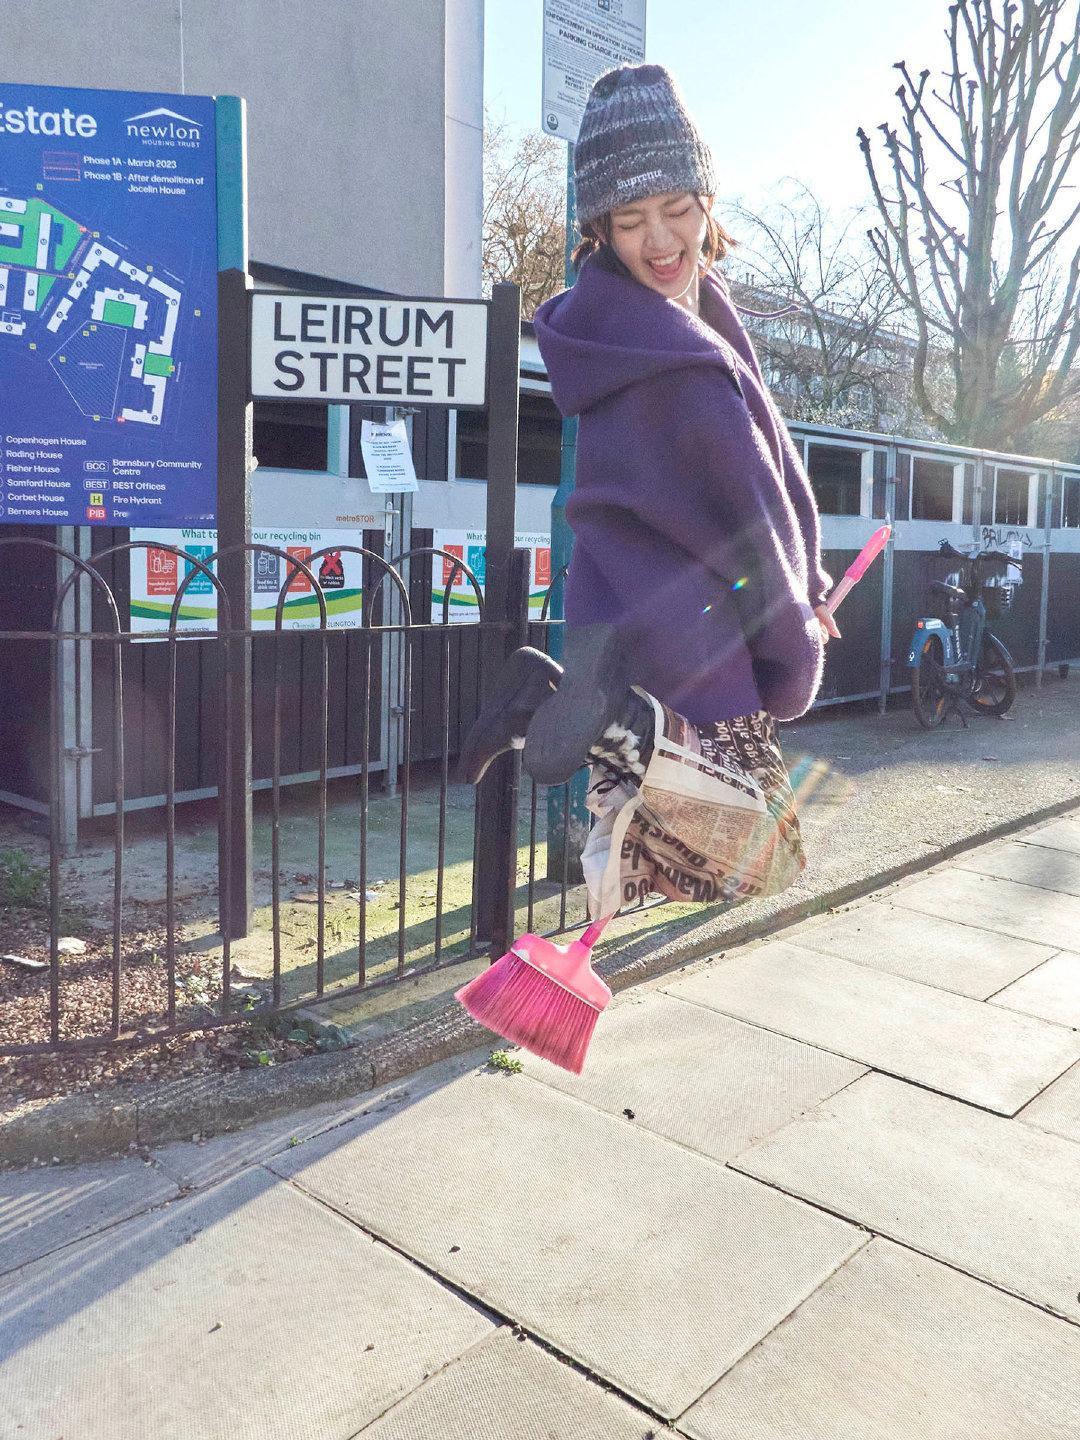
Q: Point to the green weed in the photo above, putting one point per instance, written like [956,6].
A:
[22,883]
[503,1060]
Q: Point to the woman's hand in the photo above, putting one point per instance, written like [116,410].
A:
[827,623]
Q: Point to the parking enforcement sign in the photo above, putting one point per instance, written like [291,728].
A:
[582,39]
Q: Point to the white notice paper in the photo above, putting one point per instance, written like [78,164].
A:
[1014,574]
[582,39]
[387,457]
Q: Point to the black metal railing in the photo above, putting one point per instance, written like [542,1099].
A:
[389,633]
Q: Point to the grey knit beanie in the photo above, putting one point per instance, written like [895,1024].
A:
[637,139]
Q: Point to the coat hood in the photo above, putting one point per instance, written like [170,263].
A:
[609,331]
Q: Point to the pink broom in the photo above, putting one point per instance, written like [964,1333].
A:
[543,996]
[855,571]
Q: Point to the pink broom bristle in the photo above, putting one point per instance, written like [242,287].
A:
[533,1010]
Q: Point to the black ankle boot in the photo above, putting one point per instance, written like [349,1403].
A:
[528,678]
[590,697]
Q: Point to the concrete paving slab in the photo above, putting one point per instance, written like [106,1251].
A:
[510,1389]
[52,1205]
[897,1345]
[1045,916]
[696,1076]
[248,1312]
[1039,865]
[1058,1107]
[991,1197]
[932,951]
[205,1162]
[962,1047]
[654,1267]
[194,1164]
[1058,835]
[1051,991]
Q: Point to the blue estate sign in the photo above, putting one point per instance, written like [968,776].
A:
[108,307]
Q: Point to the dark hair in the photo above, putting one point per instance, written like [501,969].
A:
[596,243]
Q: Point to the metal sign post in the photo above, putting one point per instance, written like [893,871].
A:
[582,39]
[235,463]
[566,809]
[505,607]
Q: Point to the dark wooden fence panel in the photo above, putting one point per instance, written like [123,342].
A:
[27,593]
[853,665]
[1063,615]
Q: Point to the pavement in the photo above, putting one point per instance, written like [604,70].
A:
[820,1186]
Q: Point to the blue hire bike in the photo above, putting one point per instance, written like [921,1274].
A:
[954,657]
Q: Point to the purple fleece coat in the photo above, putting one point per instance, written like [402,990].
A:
[687,481]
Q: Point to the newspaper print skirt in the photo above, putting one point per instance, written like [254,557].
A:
[711,820]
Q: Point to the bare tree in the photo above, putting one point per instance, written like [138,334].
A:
[524,226]
[831,344]
[986,260]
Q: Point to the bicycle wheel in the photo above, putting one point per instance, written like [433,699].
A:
[928,684]
[995,679]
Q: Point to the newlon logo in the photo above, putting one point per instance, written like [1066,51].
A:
[164,127]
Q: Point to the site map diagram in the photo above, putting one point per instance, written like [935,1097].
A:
[108,307]
[108,325]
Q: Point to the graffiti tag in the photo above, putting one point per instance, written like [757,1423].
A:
[999,538]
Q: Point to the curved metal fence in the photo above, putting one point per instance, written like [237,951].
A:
[388,628]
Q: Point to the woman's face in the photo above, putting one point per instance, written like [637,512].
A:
[659,240]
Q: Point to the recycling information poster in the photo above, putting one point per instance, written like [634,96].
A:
[156,575]
[108,307]
[470,546]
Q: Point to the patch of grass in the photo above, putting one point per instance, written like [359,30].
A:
[22,883]
[503,1060]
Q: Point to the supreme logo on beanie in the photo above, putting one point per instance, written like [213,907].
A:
[637,139]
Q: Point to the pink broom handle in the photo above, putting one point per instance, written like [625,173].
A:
[596,929]
[855,571]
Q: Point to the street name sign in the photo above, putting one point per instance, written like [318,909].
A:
[582,39]
[108,307]
[369,350]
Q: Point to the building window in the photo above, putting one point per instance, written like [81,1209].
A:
[539,441]
[470,461]
[291,436]
[1011,498]
[931,489]
[836,476]
[1070,503]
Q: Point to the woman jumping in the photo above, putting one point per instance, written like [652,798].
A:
[695,615]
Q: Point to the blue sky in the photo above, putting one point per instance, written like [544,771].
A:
[778,86]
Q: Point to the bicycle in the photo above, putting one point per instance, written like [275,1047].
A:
[954,657]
